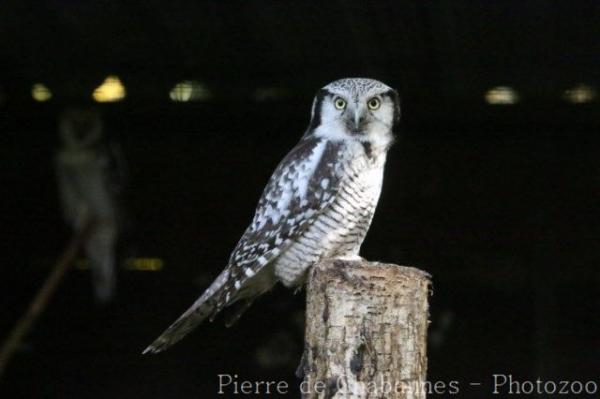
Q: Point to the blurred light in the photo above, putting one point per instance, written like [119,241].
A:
[111,90]
[40,92]
[144,264]
[263,94]
[82,264]
[580,94]
[189,90]
[501,95]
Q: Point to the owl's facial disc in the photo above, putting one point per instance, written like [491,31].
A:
[356,109]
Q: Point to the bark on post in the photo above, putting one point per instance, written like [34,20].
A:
[366,329]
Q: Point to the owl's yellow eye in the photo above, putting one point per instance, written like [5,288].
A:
[373,103]
[339,103]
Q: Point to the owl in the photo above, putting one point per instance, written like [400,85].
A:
[318,203]
[90,175]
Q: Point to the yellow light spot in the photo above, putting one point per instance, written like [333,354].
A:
[40,92]
[580,94]
[263,94]
[144,264]
[501,95]
[111,90]
[189,90]
[82,264]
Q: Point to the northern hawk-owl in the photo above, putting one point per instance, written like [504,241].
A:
[90,172]
[318,204]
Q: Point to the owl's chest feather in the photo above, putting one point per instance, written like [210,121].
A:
[341,227]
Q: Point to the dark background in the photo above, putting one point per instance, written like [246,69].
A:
[498,202]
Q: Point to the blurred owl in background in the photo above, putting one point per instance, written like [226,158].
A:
[90,174]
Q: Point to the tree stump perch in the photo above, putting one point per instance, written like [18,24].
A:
[366,330]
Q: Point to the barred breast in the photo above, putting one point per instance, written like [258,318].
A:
[341,228]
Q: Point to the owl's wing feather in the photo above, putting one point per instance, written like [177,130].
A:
[304,184]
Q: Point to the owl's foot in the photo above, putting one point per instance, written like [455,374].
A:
[342,265]
[350,258]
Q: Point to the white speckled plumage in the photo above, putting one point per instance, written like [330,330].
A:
[318,204]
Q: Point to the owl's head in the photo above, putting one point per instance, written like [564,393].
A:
[356,109]
[80,128]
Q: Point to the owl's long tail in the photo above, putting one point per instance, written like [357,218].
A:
[205,306]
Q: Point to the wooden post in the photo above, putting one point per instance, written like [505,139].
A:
[366,330]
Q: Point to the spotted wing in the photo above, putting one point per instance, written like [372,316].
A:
[302,186]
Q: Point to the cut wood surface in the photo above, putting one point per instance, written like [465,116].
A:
[366,331]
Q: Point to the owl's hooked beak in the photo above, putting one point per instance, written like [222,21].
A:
[360,112]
